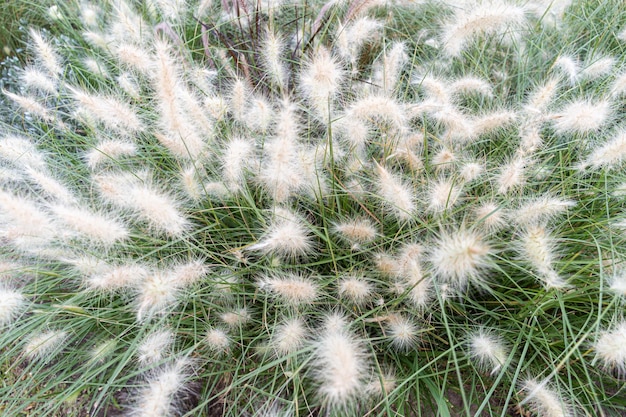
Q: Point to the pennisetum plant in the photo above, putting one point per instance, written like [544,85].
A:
[343,209]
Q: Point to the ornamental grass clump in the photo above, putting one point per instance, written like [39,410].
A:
[343,209]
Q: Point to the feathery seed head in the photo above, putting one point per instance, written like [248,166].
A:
[610,155]
[236,318]
[383,384]
[259,114]
[38,80]
[96,39]
[22,153]
[23,218]
[157,399]
[95,227]
[444,159]
[272,47]
[217,340]
[618,284]
[489,351]
[540,209]
[290,288]
[386,265]
[411,278]
[582,116]
[395,194]
[44,345]
[96,67]
[287,236]
[127,25]
[542,96]
[544,401]
[109,150]
[111,279]
[352,37]
[471,171]
[355,289]
[459,257]
[156,291]
[236,158]
[538,247]
[488,18]
[320,81]
[490,122]
[442,195]
[402,332]
[598,68]
[30,105]
[112,112]
[239,99]
[157,208]
[135,57]
[289,336]
[89,14]
[341,367]
[155,347]
[335,322]
[570,67]
[102,351]
[392,63]
[282,173]
[357,231]
[50,186]
[472,85]
[189,273]
[11,302]
[46,54]
[512,175]
[610,348]
[490,216]
[129,85]
[618,88]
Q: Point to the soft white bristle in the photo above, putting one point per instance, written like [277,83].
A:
[489,18]
[289,336]
[610,348]
[582,116]
[544,401]
[489,351]
[341,367]
[44,345]
[290,288]
[396,194]
[459,257]
[287,236]
[155,347]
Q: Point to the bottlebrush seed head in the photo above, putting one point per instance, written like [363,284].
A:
[402,331]
[290,288]
[582,116]
[155,347]
[459,257]
[355,289]
[545,401]
[45,344]
[289,336]
[287,236]
[341,368]
[489,351]
[11,302]
[610,348]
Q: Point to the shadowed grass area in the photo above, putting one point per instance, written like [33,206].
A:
[15,17]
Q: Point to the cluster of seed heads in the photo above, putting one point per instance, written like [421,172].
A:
[326,192]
